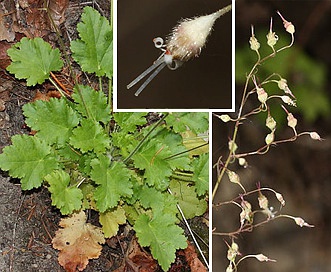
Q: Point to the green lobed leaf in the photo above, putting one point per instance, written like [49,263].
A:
[125,142]
[54,120]
[123,138]
[195,121]
[89,136]
[180,156]
[91,104]
[131,213]
[68,153]
[65,197]
[162,235]
[113,180]
[188,200]
[137,181]
[157,201]
[29,159]
[111,220]
[33,59]
[201,174]
[152,158]
[128,121]
[85,162]
[94,50]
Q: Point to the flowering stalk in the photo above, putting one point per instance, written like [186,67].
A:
[262,95]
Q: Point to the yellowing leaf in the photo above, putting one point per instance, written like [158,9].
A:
[111,220]
[192,141]
[188,201]
[78,242]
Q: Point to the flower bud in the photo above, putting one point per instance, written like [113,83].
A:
[263,201]
[289,27]
[233,177]
[282,84]
[255,45]
[225,118]
[229,268]
[272,38]
[262,96]
[246,213]
[286,99]
[291,120]
[270,122]
[269,138]
[263,258]
[280,198]
[233,252]
[314,135]
[300,222]
[242,162]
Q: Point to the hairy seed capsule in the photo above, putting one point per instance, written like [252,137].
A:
[190,35]
[185,42]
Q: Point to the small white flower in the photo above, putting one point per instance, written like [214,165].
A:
[269,138]
[300,222]
[315,136]
[286,99]
[254,43]
[280,198]
[225,118]
[263,258]
[289,27]
[262,95]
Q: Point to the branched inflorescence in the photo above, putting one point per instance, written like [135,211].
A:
[260,94]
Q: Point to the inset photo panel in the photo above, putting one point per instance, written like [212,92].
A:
[173,55]
[271,157]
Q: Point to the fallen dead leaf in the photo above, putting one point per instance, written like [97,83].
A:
[57,10]
[45,97]
[78,242]
[6,10]
[4,58]
[137,260]
[193,260]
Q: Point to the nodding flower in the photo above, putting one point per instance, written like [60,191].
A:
[184,43]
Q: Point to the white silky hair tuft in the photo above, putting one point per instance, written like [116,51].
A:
[190,35]
[185,42]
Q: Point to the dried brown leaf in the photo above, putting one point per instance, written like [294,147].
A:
[57,10]
[78,242]
[193,260]
[136,259]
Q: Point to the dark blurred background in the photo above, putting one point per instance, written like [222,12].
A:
[301,171]
[204,82]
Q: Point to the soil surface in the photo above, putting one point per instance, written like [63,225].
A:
[28,221]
